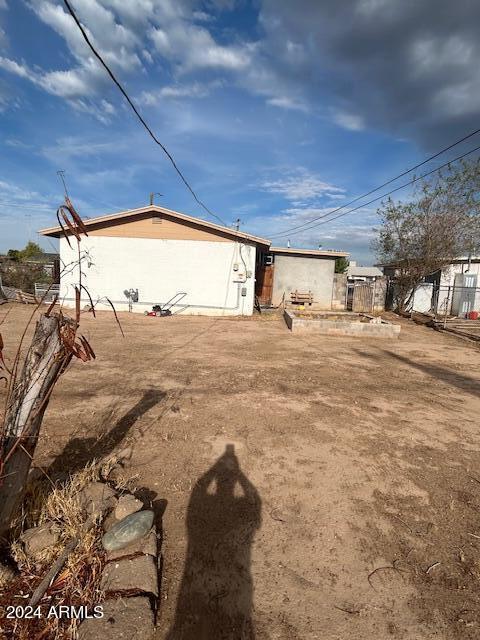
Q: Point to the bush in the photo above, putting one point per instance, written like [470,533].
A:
[23,275]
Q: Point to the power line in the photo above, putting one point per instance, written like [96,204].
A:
[27,204]
[385,184]
[365,204]
[137,113]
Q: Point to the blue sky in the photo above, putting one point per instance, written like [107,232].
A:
[277,111]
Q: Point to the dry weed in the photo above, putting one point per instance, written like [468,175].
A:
[78,582]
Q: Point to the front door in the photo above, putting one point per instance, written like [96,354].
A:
[264,283]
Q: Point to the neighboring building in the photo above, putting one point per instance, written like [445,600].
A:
[356,273]
[206,268]
[454,290]
[365,288]
[282,271]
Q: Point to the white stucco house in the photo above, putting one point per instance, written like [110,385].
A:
[458,286]
[205,268]
[453,290]
[156,256]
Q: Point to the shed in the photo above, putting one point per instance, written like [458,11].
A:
[285,270]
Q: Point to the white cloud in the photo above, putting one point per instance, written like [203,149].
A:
[14,67]
[195,90]
[66,84]
[124,33]
[192,47]
[147,56]
[349,121]
[355,237]
[285,102]
[202,16]
[300,186]
[69,147]
[18,196]
[128,33]
[70,85]
[84,80]
[116,42]
[18,144]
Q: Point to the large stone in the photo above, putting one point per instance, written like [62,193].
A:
[134,574]
[123,619]
[146,545]
[39,538]
[97,498]
[126,505]
[128,530]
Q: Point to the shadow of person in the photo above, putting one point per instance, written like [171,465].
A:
[215,598]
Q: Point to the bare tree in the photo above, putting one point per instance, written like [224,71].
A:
[440,223]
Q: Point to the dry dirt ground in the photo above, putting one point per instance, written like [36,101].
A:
[312,487]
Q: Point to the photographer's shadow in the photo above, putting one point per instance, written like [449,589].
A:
[215,598]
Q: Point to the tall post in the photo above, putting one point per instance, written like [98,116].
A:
[447,302]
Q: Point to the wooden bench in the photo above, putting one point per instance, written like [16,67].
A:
[301,297]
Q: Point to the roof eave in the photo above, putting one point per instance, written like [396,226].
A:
[57,231]
[310,252]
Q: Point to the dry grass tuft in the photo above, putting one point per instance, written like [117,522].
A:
[78,582]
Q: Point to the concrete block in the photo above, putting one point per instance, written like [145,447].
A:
[343,327]
[135,574]
[123,619]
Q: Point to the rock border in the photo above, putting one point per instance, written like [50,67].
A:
[130,579]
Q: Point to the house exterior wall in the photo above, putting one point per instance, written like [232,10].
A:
[447,279]
[304,274]
[160,268]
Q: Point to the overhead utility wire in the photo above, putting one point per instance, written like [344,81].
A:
[365,204]
[385,184]
[25,205]
[137,113]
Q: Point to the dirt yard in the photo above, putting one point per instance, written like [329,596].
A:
[311,487]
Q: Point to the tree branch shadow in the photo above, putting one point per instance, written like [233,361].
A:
[78,452]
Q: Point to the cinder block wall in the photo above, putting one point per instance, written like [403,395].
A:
[380,293]
[304,274]
[339,297]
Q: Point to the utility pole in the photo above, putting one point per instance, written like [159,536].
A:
[61,175]
[237,224]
